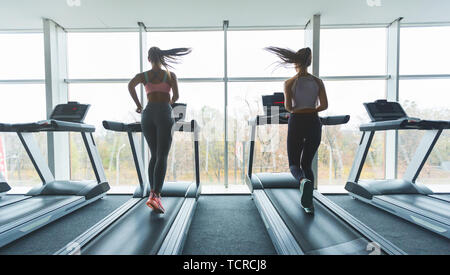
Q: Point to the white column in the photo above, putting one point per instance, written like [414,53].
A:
[392,94]
[312,40]
[143,59]
[55,47]
[225,77]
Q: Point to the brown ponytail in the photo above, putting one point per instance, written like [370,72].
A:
[302,57]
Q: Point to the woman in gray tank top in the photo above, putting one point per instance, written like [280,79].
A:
[305,97]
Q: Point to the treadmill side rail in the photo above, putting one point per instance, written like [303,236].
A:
[34,222]
[363,229]
[75,247]
[175,238]
[282,238]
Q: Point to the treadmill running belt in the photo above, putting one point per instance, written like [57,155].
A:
[322,233]
[425,203]
[138,232]
[9,199]
[13,213]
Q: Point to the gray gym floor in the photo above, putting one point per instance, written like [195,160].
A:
[224,225]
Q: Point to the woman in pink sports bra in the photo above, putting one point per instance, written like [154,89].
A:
[157,118]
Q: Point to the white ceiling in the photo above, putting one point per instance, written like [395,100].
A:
[27,14]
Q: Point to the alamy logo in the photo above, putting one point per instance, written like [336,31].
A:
[73,3]
[374,3]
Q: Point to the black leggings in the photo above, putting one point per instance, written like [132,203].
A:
[304,136]
[157,125]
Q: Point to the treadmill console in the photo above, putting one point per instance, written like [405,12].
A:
[71,112]
[382,110]
[179,111]
[275,100]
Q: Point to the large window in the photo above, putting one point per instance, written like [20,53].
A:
[425,50]
[245,102]
[350,52]
[204,104]
[339,143]
[247,57]
[104,56]
[109,102]
[426,99]
[21,58]
[21,103]
[101,64]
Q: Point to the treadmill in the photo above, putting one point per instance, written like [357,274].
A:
[55,198]
[133,228]
[402,197]
[331,230]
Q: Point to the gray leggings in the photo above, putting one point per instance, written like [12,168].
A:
[157,125]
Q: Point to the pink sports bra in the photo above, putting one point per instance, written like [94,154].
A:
[160,87]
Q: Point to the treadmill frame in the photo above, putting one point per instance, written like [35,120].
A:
[283,240]
[85,192]
[176,236]
[365,190]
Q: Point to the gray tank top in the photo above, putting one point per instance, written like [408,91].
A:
[305,93]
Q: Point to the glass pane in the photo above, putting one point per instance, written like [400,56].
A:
[339,143]
[103,55]
[434,106]
[205,103]
[22,56]
[18,169]
[206,59]
[247,57]
[426,98]
[425,50]
[109,102]
[345,52]
[245,102]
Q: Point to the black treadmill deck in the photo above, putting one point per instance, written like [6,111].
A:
[322,233]
[432,206]
[16,213]
[138,232]
[10,199]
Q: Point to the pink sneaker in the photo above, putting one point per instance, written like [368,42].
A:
[154,202]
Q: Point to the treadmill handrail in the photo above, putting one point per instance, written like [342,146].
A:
[405,124]
[52,125]
[181,126]
[282,118]
[6,127]
[122,127]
